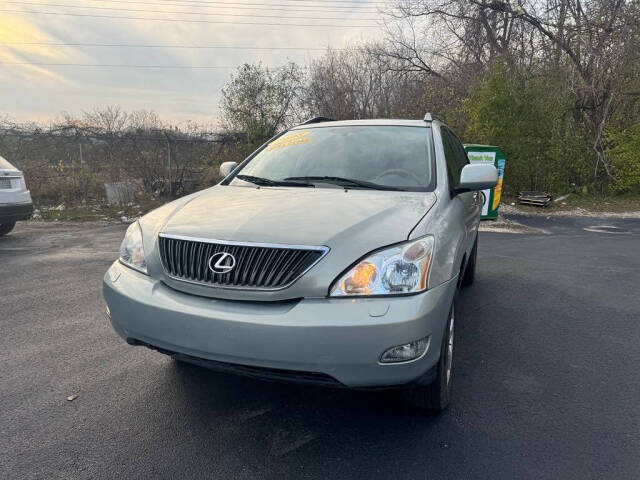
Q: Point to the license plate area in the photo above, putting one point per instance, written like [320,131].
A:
[5,183]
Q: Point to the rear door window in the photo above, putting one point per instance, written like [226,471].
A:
[455,156]
[461,154]
[451,158]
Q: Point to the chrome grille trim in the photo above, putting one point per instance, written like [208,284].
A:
[259,266]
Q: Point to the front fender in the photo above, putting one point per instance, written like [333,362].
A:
[446,223]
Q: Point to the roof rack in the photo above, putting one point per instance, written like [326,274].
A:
[430,117]
[317,120]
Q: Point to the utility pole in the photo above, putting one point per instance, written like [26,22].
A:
[169,164]
[82,176]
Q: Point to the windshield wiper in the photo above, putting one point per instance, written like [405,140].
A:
[267,182]
[346,182]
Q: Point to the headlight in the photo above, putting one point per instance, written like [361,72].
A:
[395,270]
[131,250]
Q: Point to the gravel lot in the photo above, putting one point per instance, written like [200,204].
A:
[547,386]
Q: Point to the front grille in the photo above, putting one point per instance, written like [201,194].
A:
[257,266]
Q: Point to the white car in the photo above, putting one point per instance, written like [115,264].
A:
[15,199]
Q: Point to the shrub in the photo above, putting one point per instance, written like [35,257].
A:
[624,151]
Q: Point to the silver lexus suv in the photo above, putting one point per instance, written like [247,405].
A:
[332,255]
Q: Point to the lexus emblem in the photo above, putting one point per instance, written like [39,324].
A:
[222,262]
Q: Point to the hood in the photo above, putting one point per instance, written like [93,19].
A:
[9,170]
[351,223]
[300,216]
[5,165]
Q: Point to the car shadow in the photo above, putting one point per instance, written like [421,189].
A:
[279,422]
[201,385]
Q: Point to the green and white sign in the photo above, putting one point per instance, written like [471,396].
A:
[495,156]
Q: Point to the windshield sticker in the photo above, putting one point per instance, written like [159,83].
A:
[295,138]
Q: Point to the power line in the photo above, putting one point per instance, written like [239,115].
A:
[156,19]
[190,3]
[317,3]
[363,3]
[188,13]
[132,45]
[119,65]
[243,6]
[368,2]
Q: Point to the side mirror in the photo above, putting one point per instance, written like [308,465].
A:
[477,176]
[227,167]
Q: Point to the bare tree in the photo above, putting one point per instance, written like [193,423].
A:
[444,37]
[71,158]
[260,101]
[357,83]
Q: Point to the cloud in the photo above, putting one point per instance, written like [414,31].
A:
[177,94]
[14,30]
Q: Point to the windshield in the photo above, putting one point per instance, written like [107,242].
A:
[389,156]
[4,165]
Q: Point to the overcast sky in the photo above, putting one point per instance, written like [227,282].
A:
[40,92]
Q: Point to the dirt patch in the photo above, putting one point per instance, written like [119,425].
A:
[564,209]
[503,225]
[95,211]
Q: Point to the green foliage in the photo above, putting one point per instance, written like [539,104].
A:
[530,119]
[624,151]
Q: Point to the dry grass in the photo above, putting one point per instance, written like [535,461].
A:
[95,211]
[577,205]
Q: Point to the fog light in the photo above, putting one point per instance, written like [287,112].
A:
[406,352]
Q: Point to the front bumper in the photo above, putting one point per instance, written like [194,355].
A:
[335,337]
[14,212]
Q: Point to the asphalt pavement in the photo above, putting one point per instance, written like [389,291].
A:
[547,376]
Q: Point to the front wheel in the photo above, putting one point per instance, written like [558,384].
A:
[6,228]
[437,395]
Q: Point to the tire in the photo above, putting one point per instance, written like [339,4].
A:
[470,271]
[437,395]
[6,228]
